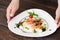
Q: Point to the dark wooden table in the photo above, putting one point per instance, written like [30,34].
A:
[6,34]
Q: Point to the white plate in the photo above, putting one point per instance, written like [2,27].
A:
[52,27]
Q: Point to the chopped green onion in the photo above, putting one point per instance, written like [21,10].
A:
[27,28]
[34,31]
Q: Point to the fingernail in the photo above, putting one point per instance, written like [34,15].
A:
[7,21]
[11,15]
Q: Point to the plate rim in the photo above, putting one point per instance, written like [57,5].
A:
[32,36]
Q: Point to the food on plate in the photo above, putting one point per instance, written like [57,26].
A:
[32,23]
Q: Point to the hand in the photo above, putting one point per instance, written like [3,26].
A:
[58,16]
[12,8]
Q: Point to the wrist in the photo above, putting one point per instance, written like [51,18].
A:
[58,7]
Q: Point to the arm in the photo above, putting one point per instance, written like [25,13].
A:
[11,9]
[57,18]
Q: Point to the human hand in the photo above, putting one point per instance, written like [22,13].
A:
[11,9]
[57,18]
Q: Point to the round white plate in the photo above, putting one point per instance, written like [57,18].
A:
[52,27]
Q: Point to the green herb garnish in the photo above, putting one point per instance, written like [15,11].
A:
[34,31]
[27,28]
[43,29]
[32,13]
[17,25]
[44,26]
[40,19]
[35,14]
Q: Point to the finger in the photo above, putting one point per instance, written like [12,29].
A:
[57,19]
[8,19]
[12,12]
[8,15]
[59,24]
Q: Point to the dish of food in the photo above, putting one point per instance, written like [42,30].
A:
[33,23]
